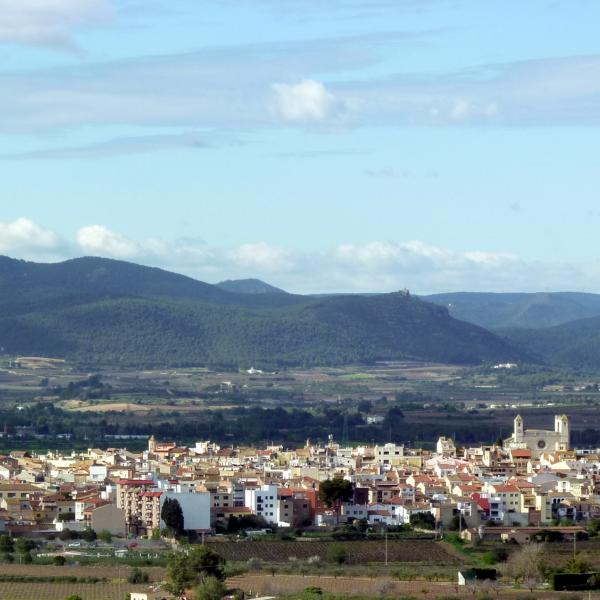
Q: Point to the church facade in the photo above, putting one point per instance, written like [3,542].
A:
[540,440]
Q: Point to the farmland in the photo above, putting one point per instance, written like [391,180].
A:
[359,552]
[291,585]
[60,591]
[41,404]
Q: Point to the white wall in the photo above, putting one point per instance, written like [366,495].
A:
[195,507]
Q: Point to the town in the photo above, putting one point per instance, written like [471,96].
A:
[533,481]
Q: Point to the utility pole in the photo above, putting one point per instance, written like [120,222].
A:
[386,547]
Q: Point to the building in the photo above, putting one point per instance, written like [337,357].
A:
[540,440]
[263,502]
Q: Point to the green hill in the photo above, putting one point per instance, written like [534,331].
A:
[575,344]
[98,311]
[249,286]
[536,310]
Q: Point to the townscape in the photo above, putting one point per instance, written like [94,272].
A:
[299,300]
[532,487]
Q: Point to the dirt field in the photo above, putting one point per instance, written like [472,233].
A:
[60,591]
[345,586]
[403,551]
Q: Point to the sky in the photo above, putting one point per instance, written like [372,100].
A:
[346,145]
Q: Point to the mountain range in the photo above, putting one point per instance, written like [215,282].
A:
[535,310]
[97,311]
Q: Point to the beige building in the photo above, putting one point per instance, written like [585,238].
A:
[109,518]
[540,440]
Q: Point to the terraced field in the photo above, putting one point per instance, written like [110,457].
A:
[360,552]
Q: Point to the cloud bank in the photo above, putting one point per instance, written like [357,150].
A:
[318,82]
[49,23]
[377,266]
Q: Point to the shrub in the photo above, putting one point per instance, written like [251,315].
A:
[337,553]
[138,576]
[59,561]
[210,589]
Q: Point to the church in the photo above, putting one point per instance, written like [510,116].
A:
[540,440]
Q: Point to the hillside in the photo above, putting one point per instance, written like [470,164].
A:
[499,311]
[575,344]
[249,286]
[98,311]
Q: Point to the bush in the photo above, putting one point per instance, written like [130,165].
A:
[337,553]
[310,593]
[496,555]
[210,589]
[138,576]
[106,536]
[59,561]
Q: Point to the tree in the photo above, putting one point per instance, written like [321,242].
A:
[88,535]
[527,565]
[172,515]
[457,523]
[422,520]
[187,569]
[59,561]
[210,589]
[23,545]
[334,492]
[66,516]
[105,536]
[7,544]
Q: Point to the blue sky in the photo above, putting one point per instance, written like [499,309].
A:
[347,145]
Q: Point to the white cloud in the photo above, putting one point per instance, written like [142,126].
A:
[378,266]
[101,241]
[306,102]
[49,22]
[26,239]
[464,109]
[258,86]
[262,256]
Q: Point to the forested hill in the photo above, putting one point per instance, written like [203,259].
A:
[575,344]
[249,286]
[99,311]
[534,310]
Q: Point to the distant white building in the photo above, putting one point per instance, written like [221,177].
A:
[445,447]
[389,455]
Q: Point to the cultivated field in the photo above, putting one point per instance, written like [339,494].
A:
[359,552]
[382,587]
[60,591]
[110,572]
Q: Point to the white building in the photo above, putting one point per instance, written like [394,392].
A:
[389,455]
[263,502]
[195,507]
